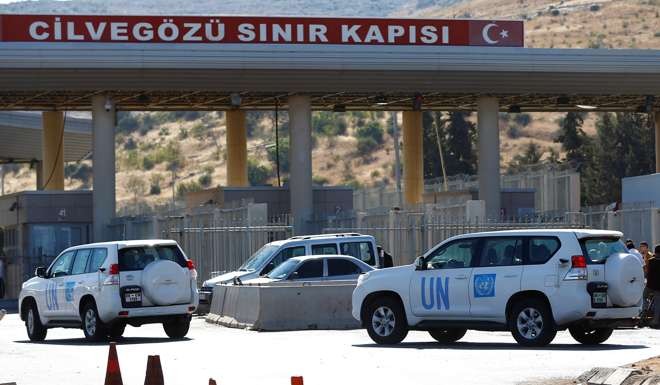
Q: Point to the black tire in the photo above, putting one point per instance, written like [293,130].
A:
[116,331]
[92,325]
[447,336]
[178,328]
[590,336]
[36,331]
[531,322]
[386,321]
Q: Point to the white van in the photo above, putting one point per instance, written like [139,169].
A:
[271,255]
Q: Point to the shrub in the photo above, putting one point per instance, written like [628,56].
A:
[284,155]
[147,163]
[127,123]
[257,174]
[200,130]
[205,180]
[319,180]
[366,146]
[372,130]
[130,144]
[186,187]
[154,184]
[513,132]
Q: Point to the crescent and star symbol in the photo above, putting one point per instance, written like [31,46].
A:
[485,33]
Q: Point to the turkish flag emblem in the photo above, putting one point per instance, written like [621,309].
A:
[497,33]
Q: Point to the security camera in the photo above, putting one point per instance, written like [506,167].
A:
[108,105]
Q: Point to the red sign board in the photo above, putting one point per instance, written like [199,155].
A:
[259,30]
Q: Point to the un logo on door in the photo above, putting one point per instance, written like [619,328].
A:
[484,285]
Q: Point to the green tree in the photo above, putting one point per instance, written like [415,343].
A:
[531,155]
[258,174]
[458,140]
[573,139]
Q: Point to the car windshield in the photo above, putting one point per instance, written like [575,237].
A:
[259,258]
[598,249]
[282,271]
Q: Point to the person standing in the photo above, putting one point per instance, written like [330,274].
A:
[646,254]
[653,285]
[632,250]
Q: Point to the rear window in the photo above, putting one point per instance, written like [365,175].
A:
[598,249]
[137,258]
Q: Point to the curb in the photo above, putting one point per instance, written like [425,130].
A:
[617,376]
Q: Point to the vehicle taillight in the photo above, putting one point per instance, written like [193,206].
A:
[113,276]
[193,272]
[578,270]
[579,261]
[191,265]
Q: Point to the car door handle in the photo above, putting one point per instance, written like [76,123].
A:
[511,276]
[462,277]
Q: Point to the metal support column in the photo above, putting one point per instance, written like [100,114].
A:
[300,153]
[103,157]
[489,155]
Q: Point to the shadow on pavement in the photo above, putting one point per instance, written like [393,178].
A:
[120,341]
[500,346]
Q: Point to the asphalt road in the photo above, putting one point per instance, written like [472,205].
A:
[236,357]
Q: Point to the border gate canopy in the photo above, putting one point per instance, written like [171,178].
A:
[203,63]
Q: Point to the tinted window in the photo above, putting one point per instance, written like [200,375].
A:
[501,252]
[456,255]
[283,270]
[541,249]
[325,249]
[310,269]
[342,267]
[360,250]
[80,263]
[283,256]
[137,258]
[62,265]
[598,249]
[98,256]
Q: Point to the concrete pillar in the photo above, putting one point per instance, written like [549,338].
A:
[103,157]
[52,150]
[237,169]
[657,142]
[413,158]
[489,155]
[300,153]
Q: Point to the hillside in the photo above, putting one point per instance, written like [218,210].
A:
[150,143]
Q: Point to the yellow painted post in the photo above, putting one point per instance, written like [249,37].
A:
[52,149]
[237,169]
[413,158]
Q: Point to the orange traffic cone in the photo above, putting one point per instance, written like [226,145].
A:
[113,373]
[154,374]
[297,380]
[212,382]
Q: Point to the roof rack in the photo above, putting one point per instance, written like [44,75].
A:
[338,235]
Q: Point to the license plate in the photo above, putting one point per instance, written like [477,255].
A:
[133,297]
[600,298]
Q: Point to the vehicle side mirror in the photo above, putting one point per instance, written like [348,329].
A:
[293,275]
[419,263]
[40,272]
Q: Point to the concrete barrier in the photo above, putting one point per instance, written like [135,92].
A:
[284,306]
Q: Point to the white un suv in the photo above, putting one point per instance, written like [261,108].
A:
[103,287]
[529,282]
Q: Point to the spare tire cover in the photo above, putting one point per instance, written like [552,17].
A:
[625,279]
[165,283]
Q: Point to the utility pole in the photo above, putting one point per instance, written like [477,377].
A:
[397,158]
